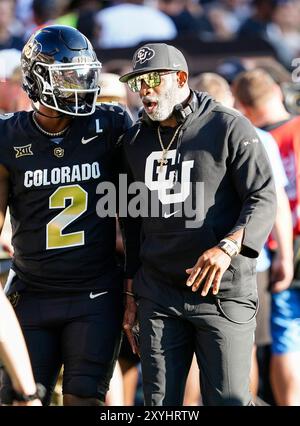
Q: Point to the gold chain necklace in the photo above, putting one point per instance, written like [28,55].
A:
[52,135]
[163,159]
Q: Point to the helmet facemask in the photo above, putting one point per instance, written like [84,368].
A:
[70,88]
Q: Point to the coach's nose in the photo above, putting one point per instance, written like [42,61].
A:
[145,89]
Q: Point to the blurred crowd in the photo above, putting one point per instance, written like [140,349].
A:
[236,82]
[125,23]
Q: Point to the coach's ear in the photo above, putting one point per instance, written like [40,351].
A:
[182,78]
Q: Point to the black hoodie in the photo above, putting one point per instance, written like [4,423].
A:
[218,147]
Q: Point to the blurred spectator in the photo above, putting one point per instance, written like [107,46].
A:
[262,24]
[215,85]
[287,17]
[189,19]
[261,100]
[261,18]
[239,8]
[112,90]
[12,96]
[7,39]
[43,13]
[224,22]
[271,276]
[81,14]
[272,67]
[23,10]
[230,68]
[130,22]
[68,14]
[87,25]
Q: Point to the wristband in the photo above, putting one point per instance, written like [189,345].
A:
[22,397]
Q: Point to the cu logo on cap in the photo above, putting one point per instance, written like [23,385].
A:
[143,55]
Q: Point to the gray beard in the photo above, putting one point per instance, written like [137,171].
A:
[165,106]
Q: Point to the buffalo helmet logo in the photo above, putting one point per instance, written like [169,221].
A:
[32,49]
[143,55]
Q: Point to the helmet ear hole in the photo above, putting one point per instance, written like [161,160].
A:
[31,88]
[30,81]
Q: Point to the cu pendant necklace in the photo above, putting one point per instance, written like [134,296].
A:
[163,161]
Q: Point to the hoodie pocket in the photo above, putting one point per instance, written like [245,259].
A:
[166,256]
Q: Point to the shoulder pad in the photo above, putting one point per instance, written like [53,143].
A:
[112,107]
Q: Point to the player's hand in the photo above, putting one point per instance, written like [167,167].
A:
[129,323]
[208,270]
[282,271]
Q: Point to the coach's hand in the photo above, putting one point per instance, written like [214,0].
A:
[208,270]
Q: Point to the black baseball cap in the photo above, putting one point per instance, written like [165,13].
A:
[155,57]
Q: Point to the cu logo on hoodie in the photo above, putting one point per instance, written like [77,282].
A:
[143,55]
[163,183]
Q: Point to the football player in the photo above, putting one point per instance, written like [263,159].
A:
[64,284]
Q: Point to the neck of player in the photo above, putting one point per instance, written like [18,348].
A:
[55,124]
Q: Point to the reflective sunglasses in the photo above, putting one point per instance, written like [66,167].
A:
[152,79]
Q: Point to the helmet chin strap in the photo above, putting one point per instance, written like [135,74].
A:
[48,116]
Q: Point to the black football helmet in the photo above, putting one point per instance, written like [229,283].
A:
[61,70]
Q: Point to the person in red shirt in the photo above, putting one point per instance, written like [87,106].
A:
[261,100]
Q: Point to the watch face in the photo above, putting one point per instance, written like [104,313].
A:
[228,248]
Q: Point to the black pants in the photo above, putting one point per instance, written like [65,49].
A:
[220,332]
[79,331]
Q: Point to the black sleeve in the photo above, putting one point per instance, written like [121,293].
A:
[6,152]
[122,122]
[131,227]
[252,177]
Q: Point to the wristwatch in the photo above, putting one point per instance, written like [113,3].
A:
[22,397]
[229,247]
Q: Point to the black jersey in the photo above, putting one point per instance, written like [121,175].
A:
[59,240]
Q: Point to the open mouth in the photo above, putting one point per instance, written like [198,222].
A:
[149,106]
